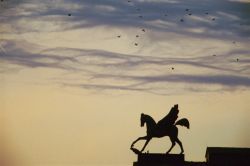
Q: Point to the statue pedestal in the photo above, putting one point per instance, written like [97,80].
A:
[154,159]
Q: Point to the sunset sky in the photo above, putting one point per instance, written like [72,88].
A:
[76,75]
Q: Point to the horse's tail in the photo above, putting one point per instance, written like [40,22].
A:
[183,122]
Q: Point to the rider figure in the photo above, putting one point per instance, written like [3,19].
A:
[170,118]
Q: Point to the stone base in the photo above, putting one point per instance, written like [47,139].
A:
[154,159]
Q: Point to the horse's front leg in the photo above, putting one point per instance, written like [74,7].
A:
[140,138]
[146,143]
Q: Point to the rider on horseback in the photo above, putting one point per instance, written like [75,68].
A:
[169,119]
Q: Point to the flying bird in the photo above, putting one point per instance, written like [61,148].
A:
[136,44]
[143,30]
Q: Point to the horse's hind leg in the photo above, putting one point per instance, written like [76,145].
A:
[173,144]
[179,142]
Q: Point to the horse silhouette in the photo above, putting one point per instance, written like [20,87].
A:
[165,127]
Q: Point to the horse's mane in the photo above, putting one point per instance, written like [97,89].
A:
[150,118]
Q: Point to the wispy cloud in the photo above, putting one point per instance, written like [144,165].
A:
[2,50]
[91,13]
[151,71]
[132,72]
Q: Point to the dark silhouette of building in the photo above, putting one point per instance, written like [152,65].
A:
[192,163]
[215,156]
[218,156]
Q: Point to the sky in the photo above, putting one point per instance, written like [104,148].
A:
[76,75]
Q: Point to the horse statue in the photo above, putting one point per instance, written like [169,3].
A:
[165,127]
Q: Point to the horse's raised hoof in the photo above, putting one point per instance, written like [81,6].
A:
[136,151]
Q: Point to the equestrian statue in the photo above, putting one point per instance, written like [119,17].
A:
[165,127]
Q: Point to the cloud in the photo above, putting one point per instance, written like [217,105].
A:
[148,71]
[225,80]
[107,70]
[163,85]
[59,57]
[113,13]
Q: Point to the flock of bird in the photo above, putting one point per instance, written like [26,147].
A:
[143,29]
[140,16]
[188,12]
[181,20]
